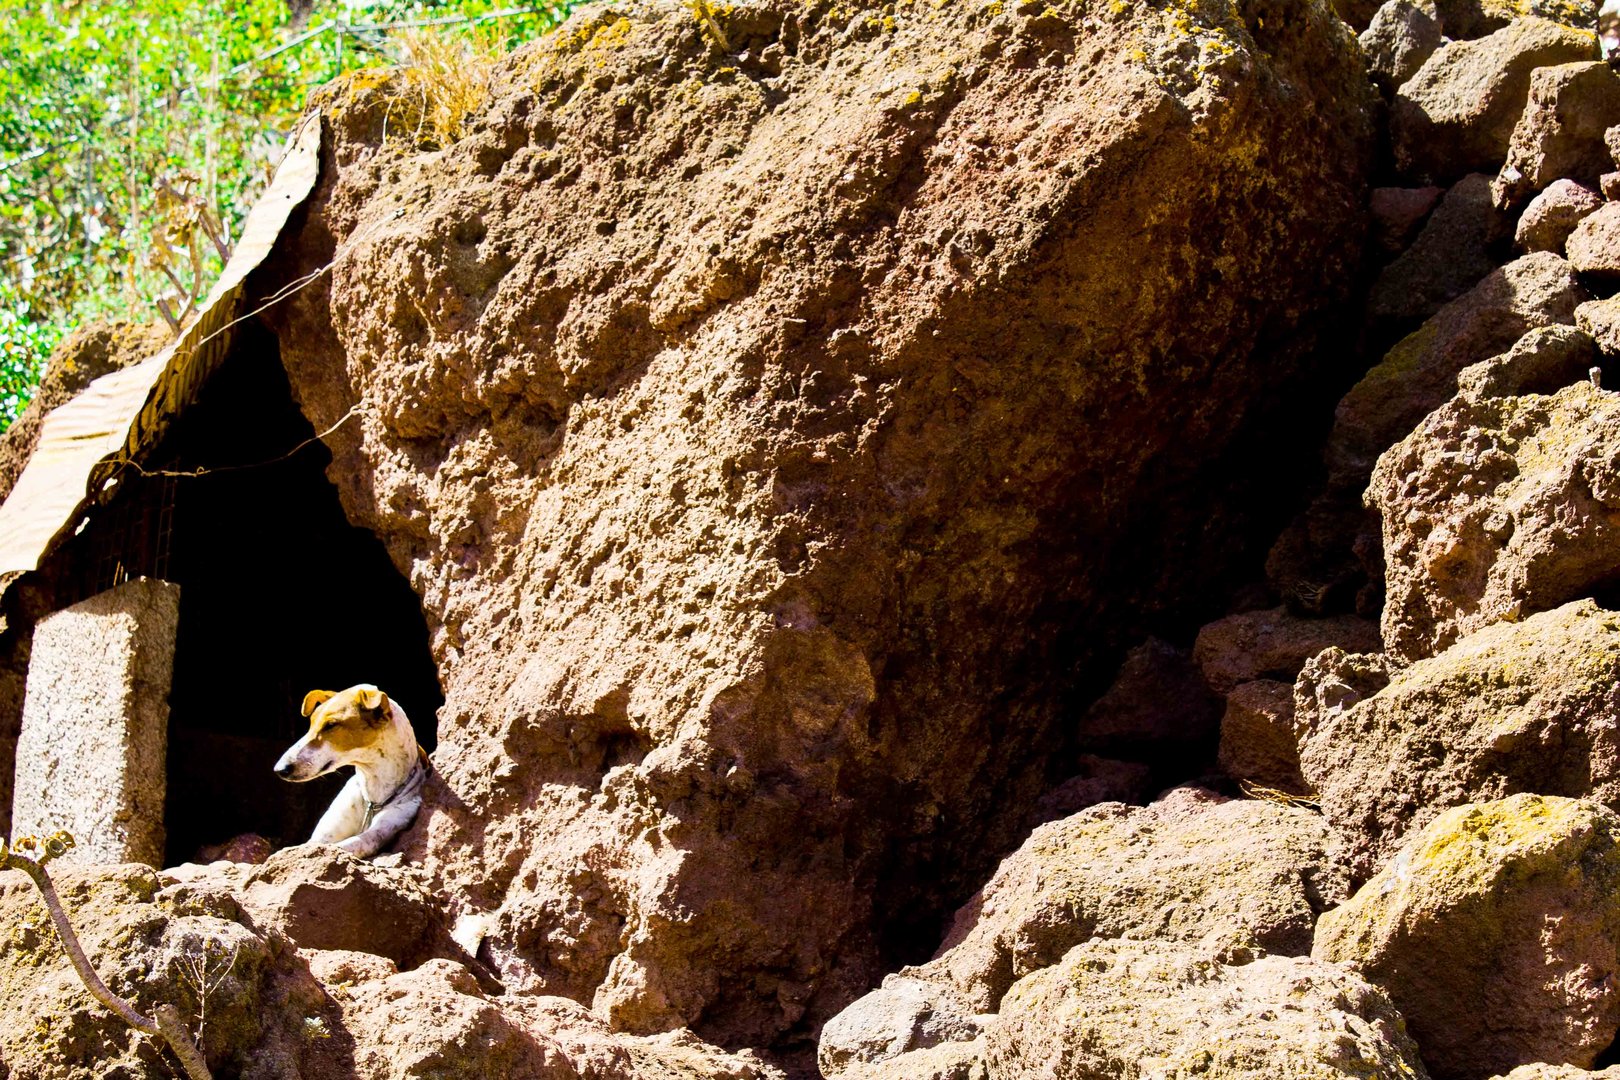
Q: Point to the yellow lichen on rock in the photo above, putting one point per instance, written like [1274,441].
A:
[1496,933]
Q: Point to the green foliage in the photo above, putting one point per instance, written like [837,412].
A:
[135,136]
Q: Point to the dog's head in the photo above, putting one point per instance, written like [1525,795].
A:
[344,729]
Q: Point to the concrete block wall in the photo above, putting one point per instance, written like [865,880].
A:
[91,752]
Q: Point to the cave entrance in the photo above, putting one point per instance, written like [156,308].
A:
[279,595]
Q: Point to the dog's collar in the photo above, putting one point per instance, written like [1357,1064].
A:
[412,784]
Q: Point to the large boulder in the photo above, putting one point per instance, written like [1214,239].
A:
[1560,134]
[1552,215]
[1594,244]
[754,417]
[1134,1010]
[1457,112]
[268,1010]
[1515,707]
[1496,934]
[1234,878]
[1464,239]
[1273,643]
[154,945]
[1500,506]
[1420,373]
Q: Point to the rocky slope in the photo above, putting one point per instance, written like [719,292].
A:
[846,458]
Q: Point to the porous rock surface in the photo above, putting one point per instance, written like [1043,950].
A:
[1273,643]
[1457,112]
[1560,132]
[1233,878]
[1462,241]
[275,1011]
[1515,707]
[1131,1010]
[1553,214]
[1497,507]
[750,421]
[1495,933]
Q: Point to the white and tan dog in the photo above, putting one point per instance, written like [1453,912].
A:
[360,726]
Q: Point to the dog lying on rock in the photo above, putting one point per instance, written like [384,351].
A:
[360,726]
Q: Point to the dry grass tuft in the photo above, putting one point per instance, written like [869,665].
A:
[1275,795]
[444,80]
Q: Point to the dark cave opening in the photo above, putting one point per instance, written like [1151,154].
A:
[279,595]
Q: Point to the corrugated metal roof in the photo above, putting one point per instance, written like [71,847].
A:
[83,443]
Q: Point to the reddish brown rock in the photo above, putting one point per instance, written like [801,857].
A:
[736,415]
[1560,134]
[1273,644]
[1601,320]
[154,945]
[1552,215]
[434,1021]
[1541,1071]
[1594,246]
[1333,681]
[1515,707]
[324,898]
[1495,933]
[1398,213]
[1420,373]
[1259,740]
[1476,18]
[1497,507]
[1401,35]
[1456,115]
[1235,879]
[1544,361]
[1139,1010]
[1463,240]
[1157,705]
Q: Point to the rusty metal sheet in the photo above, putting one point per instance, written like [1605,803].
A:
[83,443]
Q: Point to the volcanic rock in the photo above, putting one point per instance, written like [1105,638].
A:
[154,945]
[1560,133]
[1398,213]
[1133,1010]
[1515,707]
[1601,320]
[1273,644]
[1497,507]
[1157,704]
[1594,246]
[1552,215]
[1457,113]
[1476,18]
[1259,738]
[1235,878]
[1544,361]
[1461,243]
[1402,35]
[751,424]
[1495,933]
[1420,373]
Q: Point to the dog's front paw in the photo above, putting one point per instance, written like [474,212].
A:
[361,847]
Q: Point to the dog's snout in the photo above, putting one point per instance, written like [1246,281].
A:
[284,769]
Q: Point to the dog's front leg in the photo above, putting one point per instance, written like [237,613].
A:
[344,817]
[389,823]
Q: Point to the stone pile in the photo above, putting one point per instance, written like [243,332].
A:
[836,476]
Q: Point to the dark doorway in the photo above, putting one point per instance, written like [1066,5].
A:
[279,595]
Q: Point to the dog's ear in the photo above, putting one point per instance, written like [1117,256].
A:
[313,700]
[373,699]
